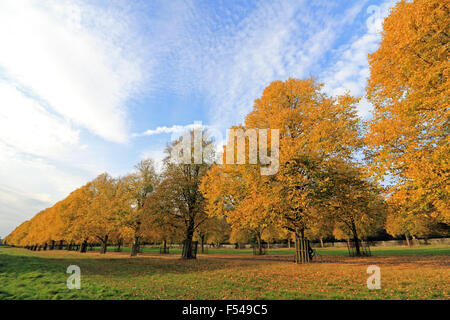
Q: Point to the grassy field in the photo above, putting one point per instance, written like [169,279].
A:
[406,273]
[416,250]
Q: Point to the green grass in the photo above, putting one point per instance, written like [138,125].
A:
[407,273]
[330,251]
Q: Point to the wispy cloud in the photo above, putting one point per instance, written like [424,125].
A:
[177,129]
[28,127]
[232,61]
[71,57]
[66,69]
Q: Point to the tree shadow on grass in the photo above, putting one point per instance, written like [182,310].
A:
[102,265]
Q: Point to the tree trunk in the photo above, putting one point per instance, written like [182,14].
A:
[187,243]
[135,247]
[45,246]
[52,245]
[83,247]
[202,238]
[356,240]
[321,242]
[119,245]
[310,251]
[407,241]
[258,237]
[303,254]
[289,242]
[104,245]
[298,247]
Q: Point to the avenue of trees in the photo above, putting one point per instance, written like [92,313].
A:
[338,176]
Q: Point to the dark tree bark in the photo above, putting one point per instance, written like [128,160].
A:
[356,240]
[202,239]
[258,238]
[104,244]
[303,251]
[83,247]
[119,245]
[135,246]
[310,251]
[187,244]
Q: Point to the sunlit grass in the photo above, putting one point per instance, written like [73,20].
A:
[328,251]
[42,275]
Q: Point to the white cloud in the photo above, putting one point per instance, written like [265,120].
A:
[64,67]
[78,68]
[231,61]
[177,129]
[28,127]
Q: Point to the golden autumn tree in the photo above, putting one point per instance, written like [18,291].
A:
[237,193]
[408,136]
[313,129]
[353,201]
[321,227]
[400,221]
[55,227]
[101,219]
[73,213]
[215,230]
[180,185]
[136,188]
[16,237]
[158,224]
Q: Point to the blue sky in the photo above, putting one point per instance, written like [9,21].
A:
[94,86]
